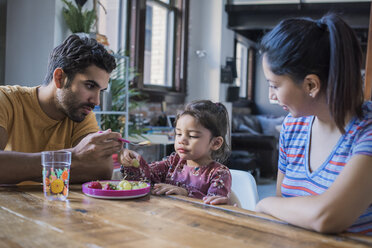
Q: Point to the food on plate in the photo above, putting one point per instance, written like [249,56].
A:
[122,185]
[95,185]
[109,186]
[125,185]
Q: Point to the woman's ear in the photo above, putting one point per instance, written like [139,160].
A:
[59,77]
[312,85]
[217,142]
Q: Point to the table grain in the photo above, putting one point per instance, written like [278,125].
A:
[29,220]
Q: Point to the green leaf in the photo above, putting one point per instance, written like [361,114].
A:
[76,20]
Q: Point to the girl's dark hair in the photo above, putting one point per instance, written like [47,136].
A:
[328,48]
[75,54]
[215,118]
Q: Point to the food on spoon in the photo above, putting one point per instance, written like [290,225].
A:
[95,185]
[146,142]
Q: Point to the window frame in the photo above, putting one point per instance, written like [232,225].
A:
[251,65]
[136,43]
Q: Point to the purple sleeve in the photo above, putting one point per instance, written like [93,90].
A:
[154,172]
[220,182]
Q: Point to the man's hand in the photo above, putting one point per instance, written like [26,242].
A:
[168,189]
[97,146]
[92,156]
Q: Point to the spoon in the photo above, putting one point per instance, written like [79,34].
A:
[142,143]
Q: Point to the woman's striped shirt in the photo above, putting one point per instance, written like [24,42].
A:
[293,159]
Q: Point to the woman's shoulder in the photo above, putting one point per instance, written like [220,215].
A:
[290,123]
[367,110]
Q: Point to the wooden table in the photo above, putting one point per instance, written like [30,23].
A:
[28,220]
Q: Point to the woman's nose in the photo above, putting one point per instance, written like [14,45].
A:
[272,95]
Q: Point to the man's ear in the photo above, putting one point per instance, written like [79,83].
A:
[217,143]
[312,84]
[59,78]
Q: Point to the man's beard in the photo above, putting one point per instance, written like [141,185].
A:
[72,109]
[74,113]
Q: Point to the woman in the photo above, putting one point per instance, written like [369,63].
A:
[324,182]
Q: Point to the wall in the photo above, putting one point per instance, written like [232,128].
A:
[207,32]
[2,39]
[33,28]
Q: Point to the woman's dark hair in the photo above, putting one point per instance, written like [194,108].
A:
[215,118]
[328,48]
[75,54]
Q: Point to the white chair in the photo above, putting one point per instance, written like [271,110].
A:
[243,189]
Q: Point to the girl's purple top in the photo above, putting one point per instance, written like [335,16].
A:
[209,180]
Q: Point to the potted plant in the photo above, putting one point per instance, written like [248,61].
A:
[116,90]
[77,20]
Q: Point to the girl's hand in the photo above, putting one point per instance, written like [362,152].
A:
[168,189]
[129,158]
[215,199]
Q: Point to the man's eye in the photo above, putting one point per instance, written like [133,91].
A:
[90,86]
[273,87]
[194,137]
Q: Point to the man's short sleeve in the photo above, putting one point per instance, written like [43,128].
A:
[6,112]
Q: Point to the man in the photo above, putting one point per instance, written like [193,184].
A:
[58,116]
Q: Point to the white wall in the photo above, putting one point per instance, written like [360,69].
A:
[33,29]
[208,31]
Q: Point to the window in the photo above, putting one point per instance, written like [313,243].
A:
[241,68]
[158,47]
[159,39]
[245,66]
[112,22]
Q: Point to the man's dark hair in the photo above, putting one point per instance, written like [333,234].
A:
[75,54]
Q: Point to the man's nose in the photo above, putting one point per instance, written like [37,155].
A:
[95,98]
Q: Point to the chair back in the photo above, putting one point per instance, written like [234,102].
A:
[244,189]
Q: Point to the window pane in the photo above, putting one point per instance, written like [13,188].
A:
[112,17]
[158,68]
[241,68]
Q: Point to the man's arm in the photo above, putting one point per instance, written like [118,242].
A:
[91,159]
[16,167]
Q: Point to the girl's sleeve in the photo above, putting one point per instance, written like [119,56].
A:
[155,172]
[220,182]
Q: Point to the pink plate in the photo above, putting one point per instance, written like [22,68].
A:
[114,194]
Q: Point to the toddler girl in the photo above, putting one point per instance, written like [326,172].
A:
[194,170]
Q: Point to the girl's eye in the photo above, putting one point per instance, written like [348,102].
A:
[178,134]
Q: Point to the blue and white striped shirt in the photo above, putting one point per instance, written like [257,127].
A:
[293,159]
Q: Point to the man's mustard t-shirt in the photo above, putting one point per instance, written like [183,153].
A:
[30,129]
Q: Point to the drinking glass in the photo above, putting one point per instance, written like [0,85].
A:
[56,174]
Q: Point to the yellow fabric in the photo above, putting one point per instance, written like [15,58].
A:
[30,129]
